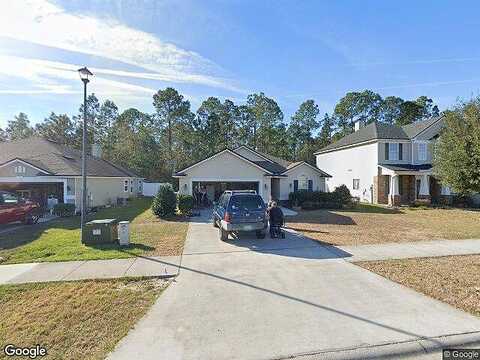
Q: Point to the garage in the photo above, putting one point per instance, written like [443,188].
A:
[214,189]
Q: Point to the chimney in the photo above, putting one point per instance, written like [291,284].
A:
[359,124]
[97,150]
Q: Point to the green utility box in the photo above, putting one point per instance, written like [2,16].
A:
[100,232]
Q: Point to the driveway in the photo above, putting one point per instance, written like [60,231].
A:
[270,299]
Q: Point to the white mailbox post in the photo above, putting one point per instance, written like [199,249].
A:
[124,233]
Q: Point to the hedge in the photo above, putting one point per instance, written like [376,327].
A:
[185,204]
[310,200]
[64,210]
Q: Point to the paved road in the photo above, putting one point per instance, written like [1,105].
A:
[272,299]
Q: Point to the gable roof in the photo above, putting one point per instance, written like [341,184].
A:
[57,159]
[269,165]
[377,131]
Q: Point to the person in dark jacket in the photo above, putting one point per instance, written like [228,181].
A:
[275,219]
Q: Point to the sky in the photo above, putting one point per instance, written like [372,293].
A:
[290,50]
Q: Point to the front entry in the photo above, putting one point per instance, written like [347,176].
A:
[215,189]
[275,189]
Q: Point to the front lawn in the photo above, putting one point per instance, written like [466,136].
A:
[451,279]
[371,224]
[74,320]
[59,239]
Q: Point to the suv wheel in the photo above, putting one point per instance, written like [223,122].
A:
[260,234]
[214,222]
[223,234]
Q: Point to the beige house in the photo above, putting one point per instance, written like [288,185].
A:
[40,169]
[246,169]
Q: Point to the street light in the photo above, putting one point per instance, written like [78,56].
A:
[84,74]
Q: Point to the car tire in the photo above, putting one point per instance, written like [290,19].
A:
[260,234]
[214,222]
[31,219]
[222,234]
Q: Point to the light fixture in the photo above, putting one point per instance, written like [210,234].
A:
[84,74]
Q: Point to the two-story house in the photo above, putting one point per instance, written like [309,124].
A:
[385,164]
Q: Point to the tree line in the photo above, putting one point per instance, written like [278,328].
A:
[173,136]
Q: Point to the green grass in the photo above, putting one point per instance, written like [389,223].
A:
[74,320]
[59,239]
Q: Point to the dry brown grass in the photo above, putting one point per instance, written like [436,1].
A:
[451,279]
[74,320]
[373,225]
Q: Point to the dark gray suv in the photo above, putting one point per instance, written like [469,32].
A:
[241,210]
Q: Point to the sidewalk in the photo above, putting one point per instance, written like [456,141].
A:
[165,266]
[410,250]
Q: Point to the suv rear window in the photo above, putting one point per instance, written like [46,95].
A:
[247,202]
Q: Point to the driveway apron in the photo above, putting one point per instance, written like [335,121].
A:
[269,299]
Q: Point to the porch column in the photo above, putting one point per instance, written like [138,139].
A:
[394,193]
[424,193]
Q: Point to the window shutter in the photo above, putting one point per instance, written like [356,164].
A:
[400,151]
[310,185]
[387,149]
[295,185]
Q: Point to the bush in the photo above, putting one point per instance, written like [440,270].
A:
[185,204]
[165,202]
[342,195]
[310,200]
[64,210]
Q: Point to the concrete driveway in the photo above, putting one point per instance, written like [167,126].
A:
[271,299]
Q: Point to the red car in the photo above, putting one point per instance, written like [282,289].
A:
[13,208]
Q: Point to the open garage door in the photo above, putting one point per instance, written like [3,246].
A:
[216,188]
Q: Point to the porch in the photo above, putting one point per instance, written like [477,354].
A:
[399,186]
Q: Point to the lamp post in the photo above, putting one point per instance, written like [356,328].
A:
[84,74]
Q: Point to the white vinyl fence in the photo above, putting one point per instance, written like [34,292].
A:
[151,189]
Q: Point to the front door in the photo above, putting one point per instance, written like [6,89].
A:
[275,188]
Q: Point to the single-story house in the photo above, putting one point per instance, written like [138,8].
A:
[244,168]
[40,169]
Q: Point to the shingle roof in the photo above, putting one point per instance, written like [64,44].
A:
[416,128]
[407,167]
[58,159]
[275,166]
[377,130]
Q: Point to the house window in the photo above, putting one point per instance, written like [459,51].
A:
[392,151]
[19,169]
[422,152]
[356,184]
[125,186]
[303,182]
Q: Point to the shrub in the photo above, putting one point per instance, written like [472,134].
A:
[165,202]
[310,200]
[64,210]
[342,195]
[185,204]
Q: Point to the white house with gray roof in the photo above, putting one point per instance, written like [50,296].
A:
[244,168]
[38,168]
[385,164]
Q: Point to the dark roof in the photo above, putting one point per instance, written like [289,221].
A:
[273,167]
[407,167]
[416,128]
[58,159]
[378,130]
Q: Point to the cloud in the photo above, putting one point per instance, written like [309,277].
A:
[41,22]
[53,77]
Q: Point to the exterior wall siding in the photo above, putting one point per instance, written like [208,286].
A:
[359,162]
[9,170]
[104,191]
[301,172]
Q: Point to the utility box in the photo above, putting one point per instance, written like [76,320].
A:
[100,232]
[124,233]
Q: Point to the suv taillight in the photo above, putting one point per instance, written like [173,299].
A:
[227,218]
